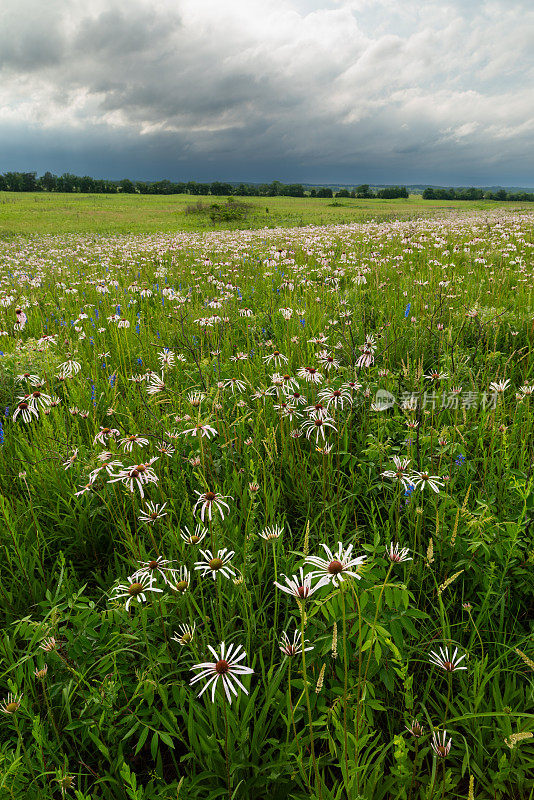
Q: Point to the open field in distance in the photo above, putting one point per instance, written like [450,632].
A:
[33,213]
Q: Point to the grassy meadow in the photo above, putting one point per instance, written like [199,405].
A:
[28,213]
[266,501]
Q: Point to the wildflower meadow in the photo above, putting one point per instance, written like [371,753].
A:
[266,506]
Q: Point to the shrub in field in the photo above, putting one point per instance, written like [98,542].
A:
[231,211]
[266,505]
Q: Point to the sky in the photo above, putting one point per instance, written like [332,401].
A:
[347,91]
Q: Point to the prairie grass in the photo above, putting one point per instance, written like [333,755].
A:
[178,387]
[30,213]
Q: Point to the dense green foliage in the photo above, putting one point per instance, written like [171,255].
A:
[432,193]
[123,351]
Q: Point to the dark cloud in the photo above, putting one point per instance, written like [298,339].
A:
[256,89]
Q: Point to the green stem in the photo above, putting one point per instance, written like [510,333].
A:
[318,784]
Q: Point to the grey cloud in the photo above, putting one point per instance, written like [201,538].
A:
[257,86]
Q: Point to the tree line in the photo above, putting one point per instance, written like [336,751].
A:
[431,193]
[29,182]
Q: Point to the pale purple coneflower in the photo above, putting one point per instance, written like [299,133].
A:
[440,745]
[134,590]
[218,564]
[397,554]
[225,668]
[208,500]
[445,660]
[293,647]
[299,586]
[337,566]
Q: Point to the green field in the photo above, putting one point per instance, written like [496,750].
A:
[251,439]
[33,213]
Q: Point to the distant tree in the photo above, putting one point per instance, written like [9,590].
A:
[67,183]
[429,193]
[13,181]
[126,186]
[219,189]
[313,193]
[28,182]
[392,192]
[86,184]
[325,192]
[294,190]
[363,192]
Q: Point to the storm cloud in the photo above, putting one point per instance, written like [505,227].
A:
[347,90]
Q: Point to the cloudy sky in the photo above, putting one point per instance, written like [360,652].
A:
[349,91]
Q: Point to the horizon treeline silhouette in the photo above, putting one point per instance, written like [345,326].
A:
[69,183]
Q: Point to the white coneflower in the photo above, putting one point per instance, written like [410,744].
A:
[194,537]
[11,703]
[262,393]
[26,411]
[293,647]
[137,475]
[446,661]
[337,566]
[310,374]
[294,397]
[397,554]
[40,673]
[235,384]
[208,500]
[400,473]
[422,479]
[277,357]
[195,398]
[299,586]
[318,427]
[166,449]
[327,360]
[415,728]
[104,434]
[89,487]
[367,358]
[134,590]
[167,358]
[107,466]
[200,431]
[67,464]
[128,442]
[218,564]
[155,384]
[38,398]
[154,511]
[499,387]
[436,375]
[440,745]
[179,580]
[335,397]
[33,380]
[69,368]
[150,569]
[272,532]
[225,668]
[185,634]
